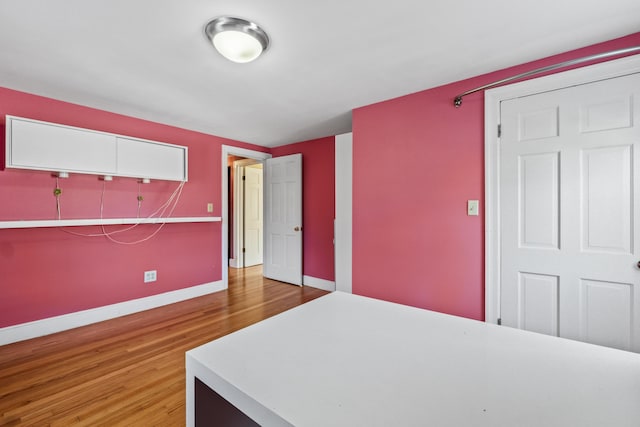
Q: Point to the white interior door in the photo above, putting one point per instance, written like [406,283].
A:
[253,231]
[283,219]
[569,206]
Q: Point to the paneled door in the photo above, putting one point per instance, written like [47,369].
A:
[253,232]
[570,209]
[283,219]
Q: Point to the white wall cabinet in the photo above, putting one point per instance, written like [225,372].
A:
[36,145]
[145,159]
[40,146]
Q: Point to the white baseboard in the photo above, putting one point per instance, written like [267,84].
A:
[39,328]
[323,284]
[233,263]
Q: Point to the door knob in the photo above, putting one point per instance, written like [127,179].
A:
[298,229]
[638,264]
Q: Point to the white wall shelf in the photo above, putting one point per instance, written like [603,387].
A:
[104,221]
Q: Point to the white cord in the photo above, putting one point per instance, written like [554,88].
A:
[139,200]
[162,209]
[57,191]
[179,193]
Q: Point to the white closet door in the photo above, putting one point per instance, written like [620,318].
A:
[253,231]
[570,204]
[283,219]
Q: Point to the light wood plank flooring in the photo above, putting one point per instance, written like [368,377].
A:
[129,371]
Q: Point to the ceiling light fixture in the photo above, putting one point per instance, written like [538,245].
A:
[237,39]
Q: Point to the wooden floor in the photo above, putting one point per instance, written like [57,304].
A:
[129,371]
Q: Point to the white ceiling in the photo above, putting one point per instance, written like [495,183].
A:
[150,59]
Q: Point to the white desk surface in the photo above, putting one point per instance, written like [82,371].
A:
[345,360]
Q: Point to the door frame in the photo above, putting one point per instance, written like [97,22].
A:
[492,102]
[343,222]
[228,150]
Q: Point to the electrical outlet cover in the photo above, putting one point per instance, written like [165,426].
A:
[472,207]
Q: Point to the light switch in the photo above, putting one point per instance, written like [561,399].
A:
[472,207]
[210,207]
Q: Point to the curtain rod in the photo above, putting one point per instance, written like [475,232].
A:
[457,101]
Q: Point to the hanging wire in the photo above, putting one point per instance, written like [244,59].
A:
[57,192]
[140,199]
[174,195]
[170,204]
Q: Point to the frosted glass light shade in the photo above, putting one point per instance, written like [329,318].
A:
[237,39]
[237,46]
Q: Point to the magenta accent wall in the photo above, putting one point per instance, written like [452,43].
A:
[47,272]
[417,160]
[318,193]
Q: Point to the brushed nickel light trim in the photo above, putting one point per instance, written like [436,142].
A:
[237,39]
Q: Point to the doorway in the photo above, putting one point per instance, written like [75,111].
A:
[235,153]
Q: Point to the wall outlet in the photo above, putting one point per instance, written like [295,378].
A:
[150,276]
[210,207]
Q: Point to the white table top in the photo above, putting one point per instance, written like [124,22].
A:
[346,360]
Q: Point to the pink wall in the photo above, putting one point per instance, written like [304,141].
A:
[417,160]
[47,272]
[318,182]
[413,242]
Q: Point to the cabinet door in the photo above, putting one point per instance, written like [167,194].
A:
[45,146]
[146,159]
